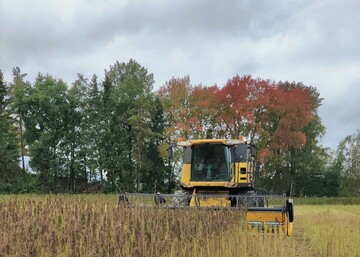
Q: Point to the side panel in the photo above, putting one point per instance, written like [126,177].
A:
[204,200]
[266,216]
[185,173]
[242,172]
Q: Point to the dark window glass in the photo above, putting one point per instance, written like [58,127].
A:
[211,162]
[241,153]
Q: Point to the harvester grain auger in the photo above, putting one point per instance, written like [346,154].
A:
[219,173]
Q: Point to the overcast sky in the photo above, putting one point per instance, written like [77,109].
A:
[314,42]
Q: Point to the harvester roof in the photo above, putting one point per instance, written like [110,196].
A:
[211,141]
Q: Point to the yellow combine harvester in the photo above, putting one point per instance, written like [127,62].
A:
[219,173]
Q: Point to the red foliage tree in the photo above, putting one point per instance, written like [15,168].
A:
[240,101]
[274,115]
[204,108]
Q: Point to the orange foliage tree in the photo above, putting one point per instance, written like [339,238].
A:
[174,96]
[275,115]
[203,110]
[189,110]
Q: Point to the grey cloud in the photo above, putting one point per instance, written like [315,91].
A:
[187,20]
[181,22]
[208,39]
[341,115]
[348,102]
[330,31]
[186,24]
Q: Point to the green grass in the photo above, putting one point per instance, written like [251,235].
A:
[332,230]
[327,201]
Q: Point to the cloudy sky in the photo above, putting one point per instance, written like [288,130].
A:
[314,42]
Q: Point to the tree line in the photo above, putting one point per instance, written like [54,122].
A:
[112,135]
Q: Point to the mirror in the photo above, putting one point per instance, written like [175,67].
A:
[169,152]
[253,149]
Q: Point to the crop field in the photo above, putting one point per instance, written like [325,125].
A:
[94,225]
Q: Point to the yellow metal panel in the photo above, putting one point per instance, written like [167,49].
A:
[243,177]
[206,201]
[210,202]
[265,216]
[236,176]
[208,141]
[269,221]
[185,174]
[233,172]
[217,141]
[210,183]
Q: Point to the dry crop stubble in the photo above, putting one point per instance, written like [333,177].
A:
[93,225]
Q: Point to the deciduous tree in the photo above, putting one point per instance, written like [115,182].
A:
[347,164]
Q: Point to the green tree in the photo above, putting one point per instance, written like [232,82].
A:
[115,159]
[128,111]
[17,90]
[9,147]
[347,163]
[92,129]
[43,109]
[73,146]
[154,173]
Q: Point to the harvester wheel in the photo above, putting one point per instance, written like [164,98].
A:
[290,209]
[181,198]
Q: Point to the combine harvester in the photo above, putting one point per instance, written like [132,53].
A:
[219,173]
